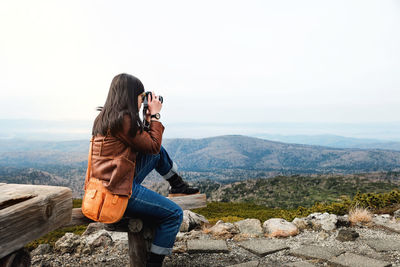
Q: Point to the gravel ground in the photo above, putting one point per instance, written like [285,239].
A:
[117,254]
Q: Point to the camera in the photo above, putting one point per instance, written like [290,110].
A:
[146,96]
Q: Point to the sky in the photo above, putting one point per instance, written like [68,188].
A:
[217,62]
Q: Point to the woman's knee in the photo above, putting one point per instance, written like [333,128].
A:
[177,216]
[180,215]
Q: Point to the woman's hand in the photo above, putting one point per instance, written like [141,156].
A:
[154,104]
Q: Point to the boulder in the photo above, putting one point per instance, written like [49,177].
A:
[323,221]
[396,214]
[191,221]
[103,240]
[42,249]
[223,230]
[67,243]
[277,227]
[382,219]
[347,235]
[302,223]
[343,221]
[251,227]
[97,240]
[93,227]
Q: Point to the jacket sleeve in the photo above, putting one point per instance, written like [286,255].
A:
[145,142]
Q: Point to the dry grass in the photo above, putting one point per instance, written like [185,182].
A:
[360,215]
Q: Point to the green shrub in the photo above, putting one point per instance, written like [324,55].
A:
[231,212]
[76,203]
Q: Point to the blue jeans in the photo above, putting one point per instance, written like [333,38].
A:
[153,207]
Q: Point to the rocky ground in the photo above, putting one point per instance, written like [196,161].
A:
[316,240]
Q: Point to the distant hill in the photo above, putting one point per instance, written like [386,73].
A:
[243,152]
[216,153]
[224,159]
[334,141]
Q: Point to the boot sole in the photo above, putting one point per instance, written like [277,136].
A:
[181,195]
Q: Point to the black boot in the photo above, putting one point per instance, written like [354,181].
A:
[154,260]
[179,187]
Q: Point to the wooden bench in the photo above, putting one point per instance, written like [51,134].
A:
[29,211]
[26,213]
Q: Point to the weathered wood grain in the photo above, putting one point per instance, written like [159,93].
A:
[30,211]
[77,218]
[137,249]
[190,201]
[19,258]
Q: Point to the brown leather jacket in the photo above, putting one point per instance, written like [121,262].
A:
[114,157]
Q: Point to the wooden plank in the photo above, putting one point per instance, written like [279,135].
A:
[185,202]
[26,220]
[77,218]
[20,258]
[137,249]
[190,201]
[139,243]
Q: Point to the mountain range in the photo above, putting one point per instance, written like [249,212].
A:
[243,152]
[221,152]
[223,158]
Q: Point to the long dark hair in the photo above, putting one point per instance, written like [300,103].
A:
[122,99]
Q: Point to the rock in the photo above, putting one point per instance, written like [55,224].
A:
[179,249]
[315,252]
[302,223]
[262,247]
[118,236]
[191,221]
[223,230]
[104,240]
[386,222]
[351,259]
[246,264]
[347,235]
[98,239]
[93,227]
[250,227]
[277,227]
[207,246]
[67,243]
[343,221]
[194,234]
[41,250]
[322,235]
[323,221]
[381,218]
[299,264]
[396,214]
[387,244]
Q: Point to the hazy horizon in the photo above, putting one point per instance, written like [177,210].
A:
[61,130]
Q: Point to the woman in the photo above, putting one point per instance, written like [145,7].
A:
[118,130]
